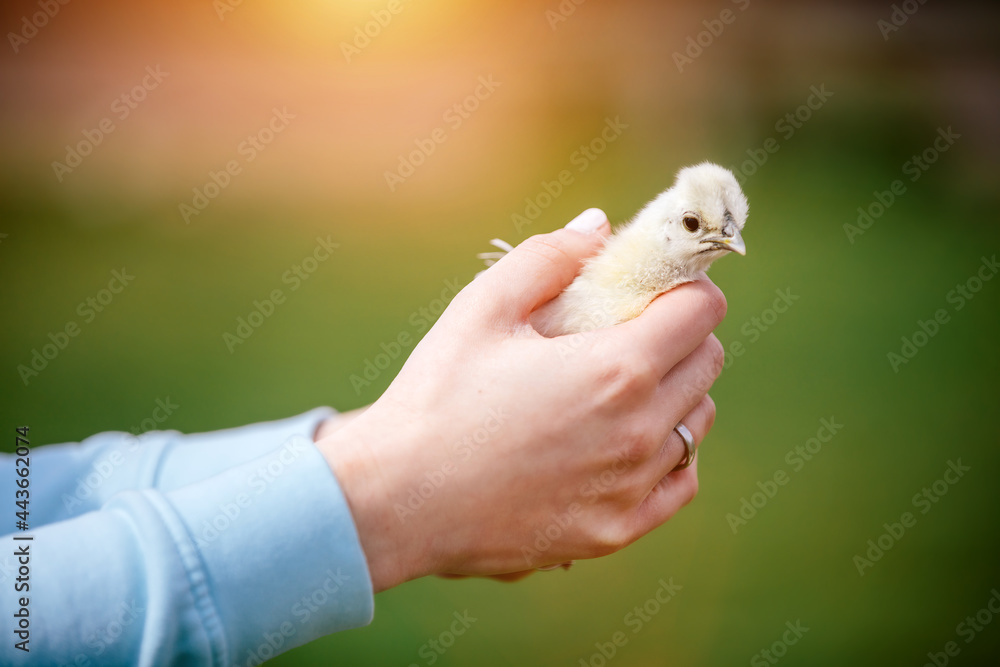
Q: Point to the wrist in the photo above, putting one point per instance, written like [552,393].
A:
[338,421]
[395,550]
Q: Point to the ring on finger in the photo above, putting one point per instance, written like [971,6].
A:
[689,446]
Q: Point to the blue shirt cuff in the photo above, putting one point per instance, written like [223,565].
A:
[279,550]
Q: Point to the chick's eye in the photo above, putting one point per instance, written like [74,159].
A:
[691,223]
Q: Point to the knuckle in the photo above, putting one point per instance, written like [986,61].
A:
[636,448]
[710,413]
[547,248]
[709,360]
[617,384]
[607,539]
[692,490]
[626,380]
[717,355]
[716,300]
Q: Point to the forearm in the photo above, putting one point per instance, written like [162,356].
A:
[211,573]
[76,478]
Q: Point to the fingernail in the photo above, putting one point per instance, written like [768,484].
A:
[588,222]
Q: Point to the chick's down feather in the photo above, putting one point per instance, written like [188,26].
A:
[669,242]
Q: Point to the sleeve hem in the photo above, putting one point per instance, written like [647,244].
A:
[198,583]
[280,550]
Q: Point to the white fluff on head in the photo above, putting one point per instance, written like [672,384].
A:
[712,186]
[653,253]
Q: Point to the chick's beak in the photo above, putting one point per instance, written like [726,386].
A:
[735,243]
[729,240]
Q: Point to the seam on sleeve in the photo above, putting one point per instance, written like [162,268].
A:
[155,465]
[197,575]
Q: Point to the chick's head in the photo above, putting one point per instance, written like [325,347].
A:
[702,216]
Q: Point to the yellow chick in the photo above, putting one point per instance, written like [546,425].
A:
[669,242]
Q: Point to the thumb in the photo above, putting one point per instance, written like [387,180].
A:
[541,267]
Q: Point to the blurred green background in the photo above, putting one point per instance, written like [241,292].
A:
[356,114]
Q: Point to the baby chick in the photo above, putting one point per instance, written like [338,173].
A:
[669,242]
[672,239]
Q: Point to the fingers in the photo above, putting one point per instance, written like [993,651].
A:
[682,397]
[509,577]
[687,382]
[676,488]
[669,495]
[679,397]
[541,267]
[698,421]
[673,325]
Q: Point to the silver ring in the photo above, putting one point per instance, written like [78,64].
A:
[688,439]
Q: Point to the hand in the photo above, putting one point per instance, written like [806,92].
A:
[496,450]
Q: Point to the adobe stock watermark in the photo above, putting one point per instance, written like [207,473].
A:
[228,513]
[420,320]
[580,159]
[898,16]
[121,108]
[454,116]
[461,451]
[924,500]
[248,149]
[432,650]
[88,309]
[796,458]
[958,297]
[915,167]
[756,326]
[114,458]
[272,641]
[968,629]
[371,29]
[30,25]
[8,567]
[99,641]
[697,44]
[295,276]
[560,522]
[100,472]
[635,620]
[562,12]
[778,649]
[598,318]
[786,127]
[223,7]
[163,410]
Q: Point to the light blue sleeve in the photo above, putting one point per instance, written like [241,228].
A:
[80,478]
[188,559]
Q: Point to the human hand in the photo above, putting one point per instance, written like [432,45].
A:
[496,450]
